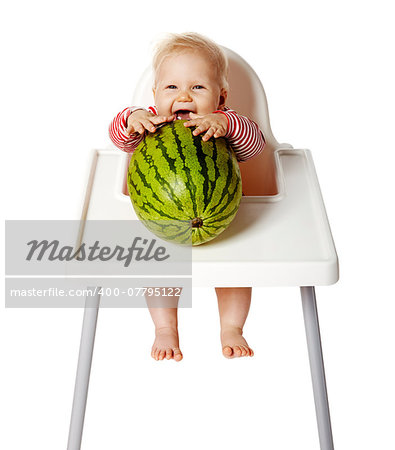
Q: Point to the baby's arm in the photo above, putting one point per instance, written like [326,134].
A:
[118,132]
[243,134]
[128,127]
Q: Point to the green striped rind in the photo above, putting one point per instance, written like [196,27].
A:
[175,177]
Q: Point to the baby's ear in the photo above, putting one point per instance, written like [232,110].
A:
[222,98]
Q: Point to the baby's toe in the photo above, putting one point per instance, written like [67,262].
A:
[169,353]
[244,350]
[227,351]
[177,354]
[248,351]
[237,350]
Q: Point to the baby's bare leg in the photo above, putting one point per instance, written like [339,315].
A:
[233,306]
[166,343]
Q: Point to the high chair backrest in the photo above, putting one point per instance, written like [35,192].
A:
[247,97]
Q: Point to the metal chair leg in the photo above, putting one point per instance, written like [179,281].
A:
[317,367]
[83,372]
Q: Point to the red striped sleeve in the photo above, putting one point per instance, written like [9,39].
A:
[117,131]
[244,135]
[153,109]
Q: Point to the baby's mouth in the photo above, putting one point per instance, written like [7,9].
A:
[182,114]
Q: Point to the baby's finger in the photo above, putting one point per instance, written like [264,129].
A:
[219,133]
[209,134]
[192,123]
[160,119]
[148,125]
[157,119]
[194,116]
[135,128]
[200,128]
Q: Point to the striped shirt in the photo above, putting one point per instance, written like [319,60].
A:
[243,134]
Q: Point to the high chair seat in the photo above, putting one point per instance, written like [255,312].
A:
[280,236]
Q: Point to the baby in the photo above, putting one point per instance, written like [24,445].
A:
[191,84]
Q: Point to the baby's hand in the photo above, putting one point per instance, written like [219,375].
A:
[141,120]
[215,124]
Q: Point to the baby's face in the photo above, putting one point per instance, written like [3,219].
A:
[187,82]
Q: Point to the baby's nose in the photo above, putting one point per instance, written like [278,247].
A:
[184,96]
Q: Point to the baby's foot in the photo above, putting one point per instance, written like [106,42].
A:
[166,344]
[233,343]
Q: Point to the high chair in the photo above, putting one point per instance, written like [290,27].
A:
[281,234]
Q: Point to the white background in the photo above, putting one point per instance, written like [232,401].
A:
[328,72]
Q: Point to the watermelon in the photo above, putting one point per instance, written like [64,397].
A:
[183,189]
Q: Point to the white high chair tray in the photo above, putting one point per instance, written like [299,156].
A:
[280,240]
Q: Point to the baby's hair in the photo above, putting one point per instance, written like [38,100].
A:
[174,43]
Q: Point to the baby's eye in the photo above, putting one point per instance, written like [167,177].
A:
[198,86]
[171,86]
